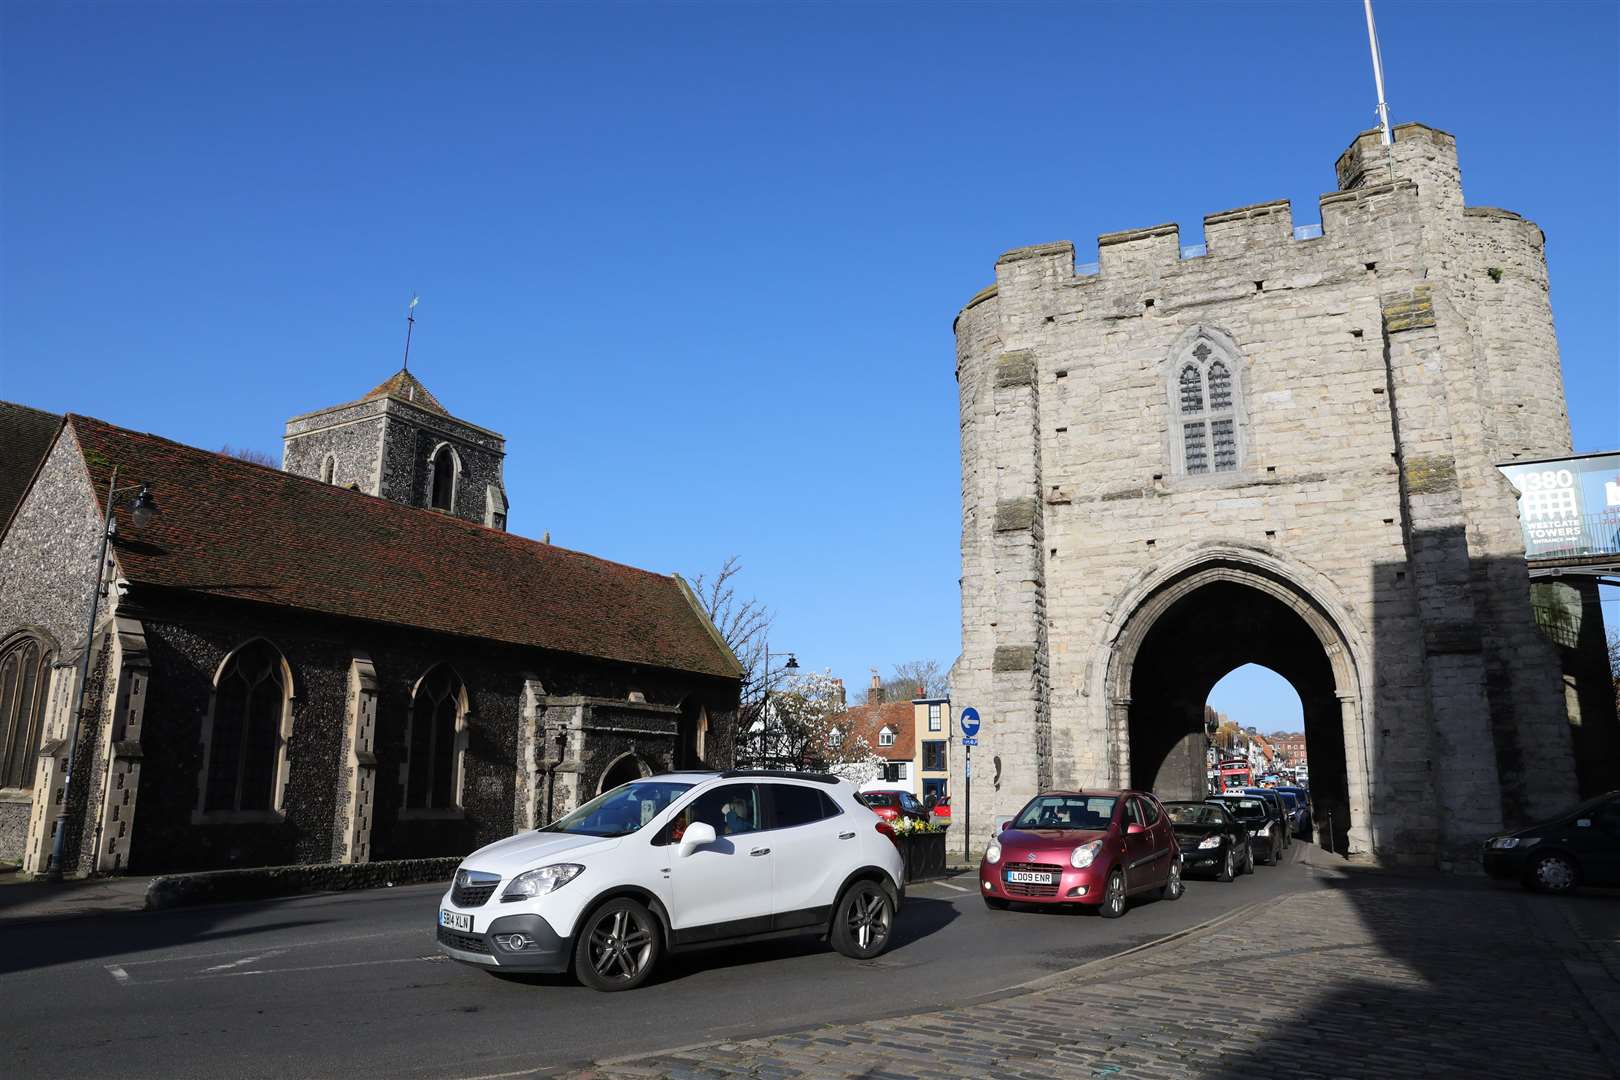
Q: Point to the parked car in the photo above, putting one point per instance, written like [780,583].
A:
[1279,812]
[1581,846]
[678,861]
[1296,812]
[1256,815]
[890,805]
[1083,847]
[1307,819]
[1212,840]
[939,807]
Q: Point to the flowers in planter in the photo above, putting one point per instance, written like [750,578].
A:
[912,827]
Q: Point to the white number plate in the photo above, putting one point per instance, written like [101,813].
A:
[455,921]
[1029,877]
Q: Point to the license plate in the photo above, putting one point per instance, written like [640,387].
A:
[1029,877]
[455,921]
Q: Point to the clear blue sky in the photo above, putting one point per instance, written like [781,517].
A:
[699,262]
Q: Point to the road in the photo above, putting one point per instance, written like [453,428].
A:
[351,984]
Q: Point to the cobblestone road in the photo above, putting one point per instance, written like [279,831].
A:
[1369,976]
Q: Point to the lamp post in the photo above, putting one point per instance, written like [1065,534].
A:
[141,513]
[765,706]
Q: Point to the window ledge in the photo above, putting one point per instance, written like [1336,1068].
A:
[238,817]
[438,813]
[16,795]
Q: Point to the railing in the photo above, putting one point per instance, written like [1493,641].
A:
[1194,251]
[1307,232]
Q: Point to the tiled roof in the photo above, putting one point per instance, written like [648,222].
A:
[230,528]
[403,386]
[868,720]
[26,436]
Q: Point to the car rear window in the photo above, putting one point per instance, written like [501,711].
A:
[792,805]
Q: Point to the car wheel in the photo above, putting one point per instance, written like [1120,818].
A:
[1228,868]
[996,903]
[864,919]
[1248,859]
[618,946]
[1113,905]
[1553,873]
[1174,887]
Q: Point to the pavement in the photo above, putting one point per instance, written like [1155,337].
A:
[26,899]
[1370,974]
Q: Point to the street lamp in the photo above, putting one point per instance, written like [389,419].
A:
[142,509]
[765,706]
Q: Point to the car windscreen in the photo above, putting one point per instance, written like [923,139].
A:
[621,811]
[1245,808]
[1067,812]
[1182,813]
[1290,799]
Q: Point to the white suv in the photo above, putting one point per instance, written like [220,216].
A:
[678,861]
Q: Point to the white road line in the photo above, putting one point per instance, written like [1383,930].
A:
[118,973]
[425,930]
[244,960]
[948,885]
[294,970]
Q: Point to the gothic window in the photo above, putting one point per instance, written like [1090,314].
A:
[24,680]
[445,468]
[245,742]
[1206,394]
[434,742]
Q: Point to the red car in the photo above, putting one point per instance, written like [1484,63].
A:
[1083,847]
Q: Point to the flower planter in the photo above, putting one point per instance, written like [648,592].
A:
[924,854]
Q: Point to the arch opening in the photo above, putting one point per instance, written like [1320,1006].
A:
[624,769]
[1206,630]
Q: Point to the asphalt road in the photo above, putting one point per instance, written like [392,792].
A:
[351,984]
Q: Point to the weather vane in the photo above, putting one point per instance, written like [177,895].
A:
[410,324]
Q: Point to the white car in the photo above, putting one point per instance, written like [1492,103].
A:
[678,861]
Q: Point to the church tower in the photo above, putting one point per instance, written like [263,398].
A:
[398,442]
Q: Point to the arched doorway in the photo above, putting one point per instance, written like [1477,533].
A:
[624,769]
[1185,635]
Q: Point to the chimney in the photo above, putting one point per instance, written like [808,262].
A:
[874,696]
[838,690]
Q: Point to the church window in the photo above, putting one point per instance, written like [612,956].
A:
[328,468]
[1206,394]
[442,494]
[434,742]
[24,681]
[245,738]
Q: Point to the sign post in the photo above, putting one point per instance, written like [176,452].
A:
[970,729]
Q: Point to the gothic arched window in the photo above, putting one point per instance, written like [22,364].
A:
[445,467]
[245,738]
[434,741]
[1206,429]
[24,681]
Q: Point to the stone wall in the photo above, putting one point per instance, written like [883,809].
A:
[1383,373]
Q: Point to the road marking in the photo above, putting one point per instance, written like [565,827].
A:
[244,960]
[187,958]
[218,973]
[118,973]
[948,885]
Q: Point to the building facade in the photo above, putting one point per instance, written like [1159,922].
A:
[318,665]
[1279,446]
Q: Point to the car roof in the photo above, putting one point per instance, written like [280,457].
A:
[703,776]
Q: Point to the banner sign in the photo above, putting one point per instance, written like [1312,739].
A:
[1568,506]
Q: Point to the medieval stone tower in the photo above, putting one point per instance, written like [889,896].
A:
[399,443]
[1278,447]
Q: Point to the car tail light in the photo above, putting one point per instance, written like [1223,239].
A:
[888,830]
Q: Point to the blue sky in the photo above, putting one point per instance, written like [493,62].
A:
[699,262]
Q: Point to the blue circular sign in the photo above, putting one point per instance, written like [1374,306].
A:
[970,722]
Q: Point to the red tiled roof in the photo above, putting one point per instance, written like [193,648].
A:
[26,436]
[230,528]
[867,720]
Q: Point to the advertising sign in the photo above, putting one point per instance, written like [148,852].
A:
[1568,506]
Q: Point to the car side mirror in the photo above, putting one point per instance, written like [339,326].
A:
[1004,826]
[698,834]
[1133,828]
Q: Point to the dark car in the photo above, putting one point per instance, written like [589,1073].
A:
[1083,847]
[1296,811]
[890,805]
[1279,811]
[1256,815]
[1212,840]
[1307,822]
[1580,846]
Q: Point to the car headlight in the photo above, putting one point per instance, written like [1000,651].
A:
[1505,842]
[539,882]
[992,854]
[1083,856]
[1265,830]
[1209,842]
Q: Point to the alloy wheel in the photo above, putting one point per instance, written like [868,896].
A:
[1554,873]
[868,920]
[620,945]
[1173,888]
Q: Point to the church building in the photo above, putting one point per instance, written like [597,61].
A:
[344,660]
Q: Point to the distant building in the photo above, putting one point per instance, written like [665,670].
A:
[932,722]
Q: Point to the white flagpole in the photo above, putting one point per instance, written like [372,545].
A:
[1378,73]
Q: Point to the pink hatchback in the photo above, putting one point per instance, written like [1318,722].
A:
[1083,847]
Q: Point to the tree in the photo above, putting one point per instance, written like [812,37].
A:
[247,453]
[800,730]
[744,625]
[914,678]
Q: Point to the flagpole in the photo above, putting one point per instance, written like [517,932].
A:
[410,324]
[1378,73]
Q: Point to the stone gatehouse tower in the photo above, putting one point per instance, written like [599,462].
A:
[1276,447]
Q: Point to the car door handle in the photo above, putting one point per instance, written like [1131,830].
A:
[760,851]
[846,836]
